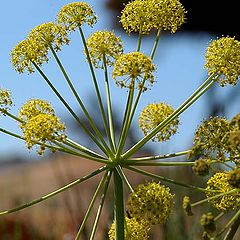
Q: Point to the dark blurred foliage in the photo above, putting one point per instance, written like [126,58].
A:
[213,16]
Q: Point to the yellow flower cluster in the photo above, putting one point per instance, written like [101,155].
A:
[5,100]
[104,44]
[40,124]
[133,66]
[223,57]
[34,49]
[219,181]
[154,114]
[144,15]
[75,14]
[49,35]
[133,230]
[212,136]
[151,202]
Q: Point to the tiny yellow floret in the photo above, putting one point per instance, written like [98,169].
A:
[75,14]
[152,116]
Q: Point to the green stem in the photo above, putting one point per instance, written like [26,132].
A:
[125,124]
[155,43]
[13,117]
[90,120]
[194,97]
[139,42]
[165,179]
[124,178]
[169,164]
[45,197]
[118,207]
[100,207]
[90,207]
[82,125]
[165,156]
[213,197]
[95,84]
[109,105]
[235,221]
[144,80]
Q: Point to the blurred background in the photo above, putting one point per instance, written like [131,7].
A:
[180,62]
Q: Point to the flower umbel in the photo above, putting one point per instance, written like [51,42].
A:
[223,57]
[219,181]
[151,202]
[154,114]
[5,100]
[104,44]
[133,66]
[75,14]
[49,35]
[144,15]
[133,229]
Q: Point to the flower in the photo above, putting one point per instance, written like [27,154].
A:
[212,137]
[152,116]
[49,35]
[133,230]
[144,15]
[133,66]
[75,14]
[26,54]
[34,107]
[234,178]
[223,57]
[208,223]
[151,202]
[42,128]
[187,206]
[5,100]
[219,182]
[201,167]
[40,124]
[104,44]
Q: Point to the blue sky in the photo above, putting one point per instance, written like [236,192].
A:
[180,63]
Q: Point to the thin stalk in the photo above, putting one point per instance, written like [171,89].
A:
[139,42]
[144,80]
[219,216]
[11,134]
[13,117]
[90,120]
[165,179]
[233,229]
[125,123]
[118,207]
[169,164]
[213,197]
[109,105]
[100,207]
[165,156]
[194,97]
[91,205]
[230,222]
[77,146]
[95,83]
[49,195]
[124,178]
[70,109]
